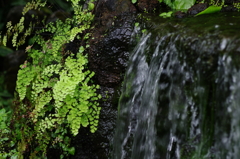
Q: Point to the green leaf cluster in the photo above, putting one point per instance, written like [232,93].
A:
[237,5]
[179,4]
[13,31]
[55,93]
[166,14]
[5,140]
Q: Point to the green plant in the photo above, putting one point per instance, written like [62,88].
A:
[5,117]
[5,140]
[216,2]
[179,4]
[182,5]
[166,14]
[210,9]
[134,1]
[237,5]
[215,6]
[55,92]
[14,31]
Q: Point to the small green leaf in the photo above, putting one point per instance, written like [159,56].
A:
[136,24]
[81,49]
[90,6]
[134,1]
[166,14]
[84,121]
[210,9]
[71,151]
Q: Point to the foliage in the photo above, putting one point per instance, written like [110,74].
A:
[179,4]
[55,92]
[176,5]
[237,5]
[5,140]
[166,14]
[134,1]
[215,6]
[183,5]
[216,2]
[210,9]
[14,31]
[5,116]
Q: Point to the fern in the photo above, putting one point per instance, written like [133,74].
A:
[54,92]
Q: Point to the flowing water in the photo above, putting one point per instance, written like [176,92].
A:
[181,94]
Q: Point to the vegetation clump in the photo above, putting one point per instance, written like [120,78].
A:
[55,93]
[182,6]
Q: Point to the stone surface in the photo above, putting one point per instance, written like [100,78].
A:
[109,48]
[147,5]
[108,56]
[197,8]
[180,14]
[11,67]
[229,8]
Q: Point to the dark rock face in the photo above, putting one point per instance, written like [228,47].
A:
[110,46]
[197,8]
[147,5]
[180,14]
[108,56]
[229,8]
[231,1]
[11,66]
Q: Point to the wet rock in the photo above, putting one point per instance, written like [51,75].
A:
[180,14]
[106,11]
[229,8]
[197,8]
[229,2]
[11,66]
[109,48]
[114,7]
[108,56]
[59,14]
[109,53]
[148,5]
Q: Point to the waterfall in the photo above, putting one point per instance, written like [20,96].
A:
[180,98]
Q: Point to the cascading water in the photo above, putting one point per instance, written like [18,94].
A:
[181,94]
